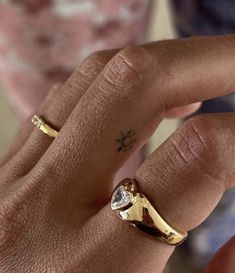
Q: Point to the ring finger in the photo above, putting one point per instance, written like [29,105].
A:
[55,110]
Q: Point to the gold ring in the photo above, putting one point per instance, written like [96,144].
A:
[45,128]
[135,209]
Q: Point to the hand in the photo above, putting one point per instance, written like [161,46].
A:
[55,214]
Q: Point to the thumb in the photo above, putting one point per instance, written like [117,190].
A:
[224,260]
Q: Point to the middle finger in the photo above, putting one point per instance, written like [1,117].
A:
[123,106]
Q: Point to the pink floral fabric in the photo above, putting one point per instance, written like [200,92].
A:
[43,41]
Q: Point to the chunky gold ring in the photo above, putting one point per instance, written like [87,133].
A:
[45,128]
[135,209]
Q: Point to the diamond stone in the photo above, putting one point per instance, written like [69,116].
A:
[121,198]
[37,121]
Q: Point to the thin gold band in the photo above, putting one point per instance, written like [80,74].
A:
[45,128]
[135,209]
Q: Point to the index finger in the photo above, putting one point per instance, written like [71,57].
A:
[131,95]
[193,69]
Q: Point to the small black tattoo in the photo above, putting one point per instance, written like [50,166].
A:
[126,140]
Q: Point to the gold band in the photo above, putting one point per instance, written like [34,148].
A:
[134,208]
[45,128]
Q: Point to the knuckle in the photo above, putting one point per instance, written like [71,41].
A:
[134,58]
[97,59]
[143,66]
[126,69]
[87,71]
[201,142]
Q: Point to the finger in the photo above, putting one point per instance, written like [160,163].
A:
[194,167]
[184,179]
[190,68]
[223,261]
[183,111]
[115,241]
[125,103]
[26,129]
[57,109]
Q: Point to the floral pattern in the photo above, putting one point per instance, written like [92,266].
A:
[32,6]
[43,41]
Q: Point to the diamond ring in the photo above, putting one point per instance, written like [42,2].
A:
[45,128]
[135,209]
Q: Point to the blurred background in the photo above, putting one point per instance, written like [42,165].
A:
[56,35]
[161,27]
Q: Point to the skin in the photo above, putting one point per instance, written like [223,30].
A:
[55,214]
